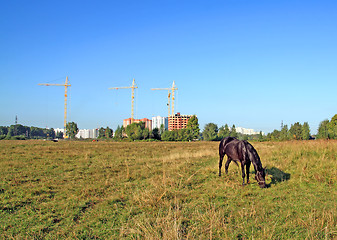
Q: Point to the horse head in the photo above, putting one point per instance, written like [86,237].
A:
[260,177]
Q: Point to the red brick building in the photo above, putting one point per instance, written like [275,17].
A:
[148,122]
[178,121]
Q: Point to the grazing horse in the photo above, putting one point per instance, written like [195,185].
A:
[244,152]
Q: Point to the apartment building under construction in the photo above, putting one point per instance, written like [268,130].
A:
[178,121]
[148,122]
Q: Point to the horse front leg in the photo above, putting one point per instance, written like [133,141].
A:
[220,164]
[247,171]
[243,174]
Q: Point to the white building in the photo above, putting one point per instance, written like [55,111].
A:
[87,133]
[246,131]
[158,121]
[58,130]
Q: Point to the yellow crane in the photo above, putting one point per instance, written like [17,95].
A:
[170,94]
[133,87]
[66,85]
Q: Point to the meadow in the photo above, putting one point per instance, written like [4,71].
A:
[164,190]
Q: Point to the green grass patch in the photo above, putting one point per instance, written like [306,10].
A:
[159,190]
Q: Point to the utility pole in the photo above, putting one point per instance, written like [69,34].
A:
[133,87]
[66,85]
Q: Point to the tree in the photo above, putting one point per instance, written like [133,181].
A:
[119,132]
[146,133]
[36,132]
[305,131]
[284,134]
[323,130]
[101,133]
[3,130]
[71,129]
[137,131]
[233,132]
[108,132]
[261,138]
[10,132]
[169,136]
[155,134]
[18,130]
[223,132]
[193,125]
[275,135]
[59,135]
[49,133]
[296,131]
[162,129]
[332,128]
[131,131]
[210,132]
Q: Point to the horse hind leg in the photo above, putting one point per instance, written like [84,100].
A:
[220,164]
[227,164]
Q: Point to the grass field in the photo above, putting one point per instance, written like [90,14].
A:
[161,190]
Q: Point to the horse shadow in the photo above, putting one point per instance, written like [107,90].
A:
[277,175]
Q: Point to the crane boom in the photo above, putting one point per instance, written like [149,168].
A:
[49,84]
[66,85]
[119,88]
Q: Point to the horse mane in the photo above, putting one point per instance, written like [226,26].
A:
[253,156]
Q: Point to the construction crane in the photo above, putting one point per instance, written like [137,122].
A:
[170,94]
[133,87]
[66,85]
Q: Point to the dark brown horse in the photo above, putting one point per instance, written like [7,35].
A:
[244,152]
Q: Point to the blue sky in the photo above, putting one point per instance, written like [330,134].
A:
[248,63]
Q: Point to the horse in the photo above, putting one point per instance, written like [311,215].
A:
[244,152]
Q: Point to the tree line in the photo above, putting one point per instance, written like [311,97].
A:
[211,132]
[327,130]
[20,132]
[297,131]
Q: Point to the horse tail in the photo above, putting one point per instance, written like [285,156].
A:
[221,147]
